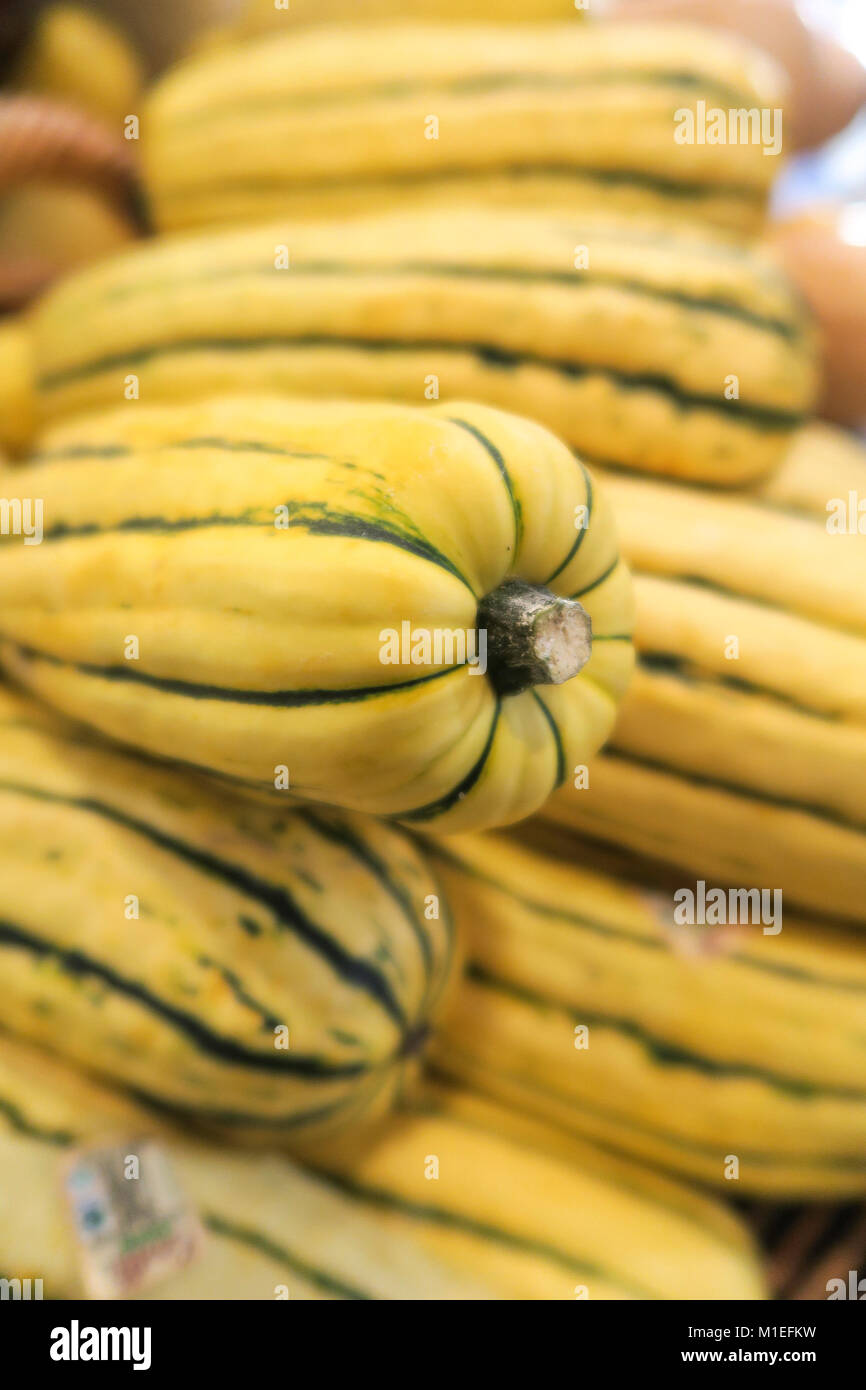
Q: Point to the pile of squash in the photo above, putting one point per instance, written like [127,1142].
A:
[420,570]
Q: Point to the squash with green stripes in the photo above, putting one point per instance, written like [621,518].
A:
[268,972]
[518,1211]
[730,1056]
[560,117]
[418,613]
[271,1230]
[740,749]
[536,1213]
[667,352]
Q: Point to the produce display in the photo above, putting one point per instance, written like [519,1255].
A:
[432,660]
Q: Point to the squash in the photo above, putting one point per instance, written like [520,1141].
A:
[726,1055]
[740,749]
[659,350]
[536,1213]
[415,613]
[268,973]
[344,119]
[271,1230]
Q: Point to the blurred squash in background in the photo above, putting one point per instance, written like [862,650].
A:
[827,83]
[824,251]
[72,54]
[263,16]
[67,175]
[68,193]
[31,216]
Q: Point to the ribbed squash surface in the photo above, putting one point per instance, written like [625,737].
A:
[337,119]
[265,971]
[663,351]
[260,649]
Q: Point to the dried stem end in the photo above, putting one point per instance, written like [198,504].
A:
[534,637]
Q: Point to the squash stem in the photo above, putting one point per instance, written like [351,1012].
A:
[534,636]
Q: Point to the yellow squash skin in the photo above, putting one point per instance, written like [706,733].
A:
[537,1214]
[719,833]
[263,17]
[167,937]
[334,120]
[260,648]
[823,463]
[753,1050]
[77,56]
[19,406]
[619,337]
[746,759]
[271,1230]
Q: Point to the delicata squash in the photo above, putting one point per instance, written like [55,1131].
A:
[268,973]
[266,1222]
[619,337]
[417,613]
[340,119]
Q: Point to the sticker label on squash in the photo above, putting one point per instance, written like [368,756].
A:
[683,940]
[133,1224]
